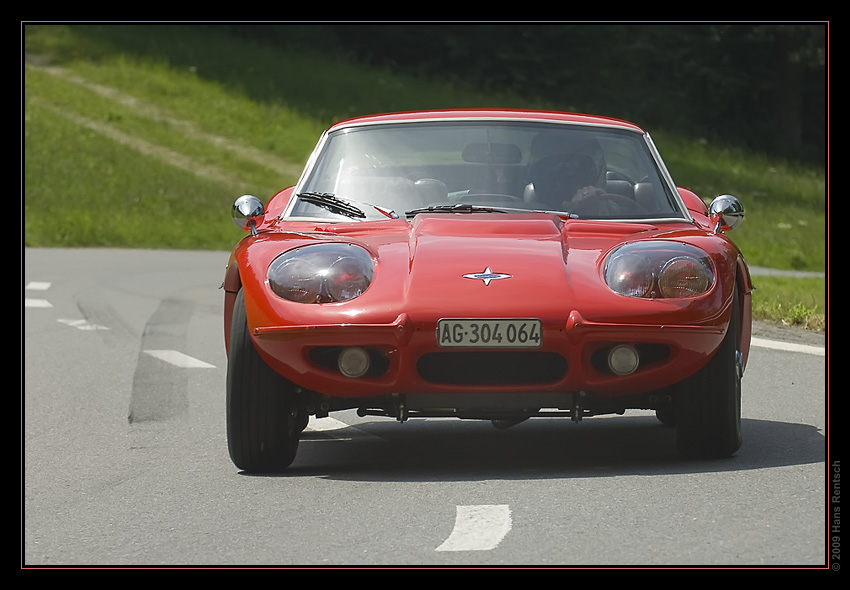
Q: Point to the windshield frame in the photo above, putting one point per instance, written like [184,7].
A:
[668,185]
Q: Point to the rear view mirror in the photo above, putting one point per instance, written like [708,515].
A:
[726,212]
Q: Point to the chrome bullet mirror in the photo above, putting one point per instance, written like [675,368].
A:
[248,212]
[726,212]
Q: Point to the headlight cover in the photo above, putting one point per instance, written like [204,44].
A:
[321,273]
[658,269]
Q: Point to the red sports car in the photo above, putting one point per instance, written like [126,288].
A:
[484,264]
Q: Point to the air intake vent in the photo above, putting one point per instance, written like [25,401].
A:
[492,368]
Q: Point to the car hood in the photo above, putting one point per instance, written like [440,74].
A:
[485,260]
[470,265]
[499,265]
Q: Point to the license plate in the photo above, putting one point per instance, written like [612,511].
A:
[526,333]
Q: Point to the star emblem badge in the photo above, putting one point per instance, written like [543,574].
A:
[487,275]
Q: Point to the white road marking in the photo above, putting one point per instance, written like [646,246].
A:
[789,346]
[38,286]
[329,426]
[478,528]
[178,359]
[36,303]
[325,424]
[82,325]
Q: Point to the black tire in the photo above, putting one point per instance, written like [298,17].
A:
[708,405]
[263,411]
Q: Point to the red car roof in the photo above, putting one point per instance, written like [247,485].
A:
[488,114]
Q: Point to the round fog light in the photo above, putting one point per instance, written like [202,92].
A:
[353,362]
[623,359]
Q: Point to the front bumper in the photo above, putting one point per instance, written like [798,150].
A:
[408,361]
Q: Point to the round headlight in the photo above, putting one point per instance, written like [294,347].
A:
[658,268]
[630,275]
[347,278]
[321,273]
[684,277]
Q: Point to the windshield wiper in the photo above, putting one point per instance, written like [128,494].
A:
[332,204]
[558,213]
[456,208]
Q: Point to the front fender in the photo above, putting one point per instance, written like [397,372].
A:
[745,287]
[230,285]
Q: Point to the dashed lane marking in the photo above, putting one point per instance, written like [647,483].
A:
[36,303]
[788,346]
[326,424]
[82,325]
[478,528]
[336,430]
[178,359]
[38,286]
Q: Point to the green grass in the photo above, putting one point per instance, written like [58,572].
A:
[149,132]
[799,302]
[785,203]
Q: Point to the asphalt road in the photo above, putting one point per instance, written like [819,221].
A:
[125,460]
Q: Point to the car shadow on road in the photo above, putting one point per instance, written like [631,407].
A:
[455,450]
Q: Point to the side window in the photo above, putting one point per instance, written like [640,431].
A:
[632,173]
[621,160]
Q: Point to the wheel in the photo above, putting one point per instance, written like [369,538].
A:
[708,405]
[263,411]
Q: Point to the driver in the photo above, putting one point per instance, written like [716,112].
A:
[564,167]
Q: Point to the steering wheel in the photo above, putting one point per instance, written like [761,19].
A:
[599,205]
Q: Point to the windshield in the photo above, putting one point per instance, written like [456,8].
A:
[407,168]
